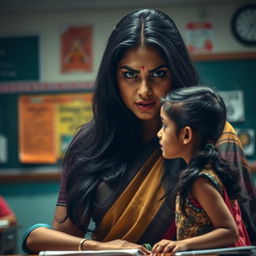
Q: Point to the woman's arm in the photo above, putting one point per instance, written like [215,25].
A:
[66,236]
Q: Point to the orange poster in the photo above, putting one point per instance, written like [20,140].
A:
[37,130]
[76,49]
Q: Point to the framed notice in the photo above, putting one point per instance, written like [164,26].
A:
[199,37]
[19,58]
[234,101]
[76,49]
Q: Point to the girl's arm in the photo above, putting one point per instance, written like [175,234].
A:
[66,236]
[225,232]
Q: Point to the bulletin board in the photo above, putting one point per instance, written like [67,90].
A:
[59,126]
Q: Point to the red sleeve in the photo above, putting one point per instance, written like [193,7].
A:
[4,208]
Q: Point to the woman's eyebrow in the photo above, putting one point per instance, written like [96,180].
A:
[138,71]
[130,69]
[158,67]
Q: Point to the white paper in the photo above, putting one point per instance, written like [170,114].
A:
[3,149]
[234,101]
[134,252]
[242,250]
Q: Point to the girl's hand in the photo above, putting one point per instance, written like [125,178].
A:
[115,245]
[168,246]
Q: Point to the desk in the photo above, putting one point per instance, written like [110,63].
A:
[8,240]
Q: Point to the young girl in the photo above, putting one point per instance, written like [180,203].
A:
[207,213]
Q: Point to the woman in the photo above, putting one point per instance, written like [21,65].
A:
[114,158]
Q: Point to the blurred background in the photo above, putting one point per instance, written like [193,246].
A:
[49,54]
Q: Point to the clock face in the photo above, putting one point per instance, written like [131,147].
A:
[243,24]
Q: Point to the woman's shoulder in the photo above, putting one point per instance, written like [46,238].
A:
[228,135]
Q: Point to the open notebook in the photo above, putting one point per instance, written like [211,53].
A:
[242,250]
[124,252]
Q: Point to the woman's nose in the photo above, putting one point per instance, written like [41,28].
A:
[159,133]
[144,88]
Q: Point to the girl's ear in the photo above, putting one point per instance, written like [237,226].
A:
[187,135]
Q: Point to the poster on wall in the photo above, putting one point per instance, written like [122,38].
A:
[234,101]
[76,49]
[47,124]
[72,110]
[19,58]
[36,130]
[247,138]
[199,37]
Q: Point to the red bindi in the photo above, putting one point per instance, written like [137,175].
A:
[142,67]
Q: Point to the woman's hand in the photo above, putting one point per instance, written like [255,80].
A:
[169,246]
[113,245]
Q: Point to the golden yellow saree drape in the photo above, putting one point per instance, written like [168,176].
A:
[138,204]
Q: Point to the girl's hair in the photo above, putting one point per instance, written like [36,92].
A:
[202,109]
[102,147]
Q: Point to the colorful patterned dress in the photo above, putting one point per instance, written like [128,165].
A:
[197,222]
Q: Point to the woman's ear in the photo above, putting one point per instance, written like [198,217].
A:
[187,135]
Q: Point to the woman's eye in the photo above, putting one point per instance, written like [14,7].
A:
[159,73]
[130,74]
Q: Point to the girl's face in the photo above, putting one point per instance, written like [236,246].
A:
[143,77]
[173,144]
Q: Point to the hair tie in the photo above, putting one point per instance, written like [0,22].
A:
[209,145]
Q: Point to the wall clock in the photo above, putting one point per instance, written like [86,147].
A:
[243,24]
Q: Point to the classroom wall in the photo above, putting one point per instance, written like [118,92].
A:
[35,202]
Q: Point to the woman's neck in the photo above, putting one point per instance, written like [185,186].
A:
[149,129]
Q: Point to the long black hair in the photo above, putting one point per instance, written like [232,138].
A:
[102,147]
[202,109]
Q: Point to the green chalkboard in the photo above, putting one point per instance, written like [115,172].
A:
[19,58]
[225,75]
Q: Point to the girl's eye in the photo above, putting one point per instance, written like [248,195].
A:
[164,126]
[159,73]
[130,74]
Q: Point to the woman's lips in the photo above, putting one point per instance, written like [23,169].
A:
[145,104]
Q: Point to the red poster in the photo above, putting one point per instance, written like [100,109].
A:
[76,49]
